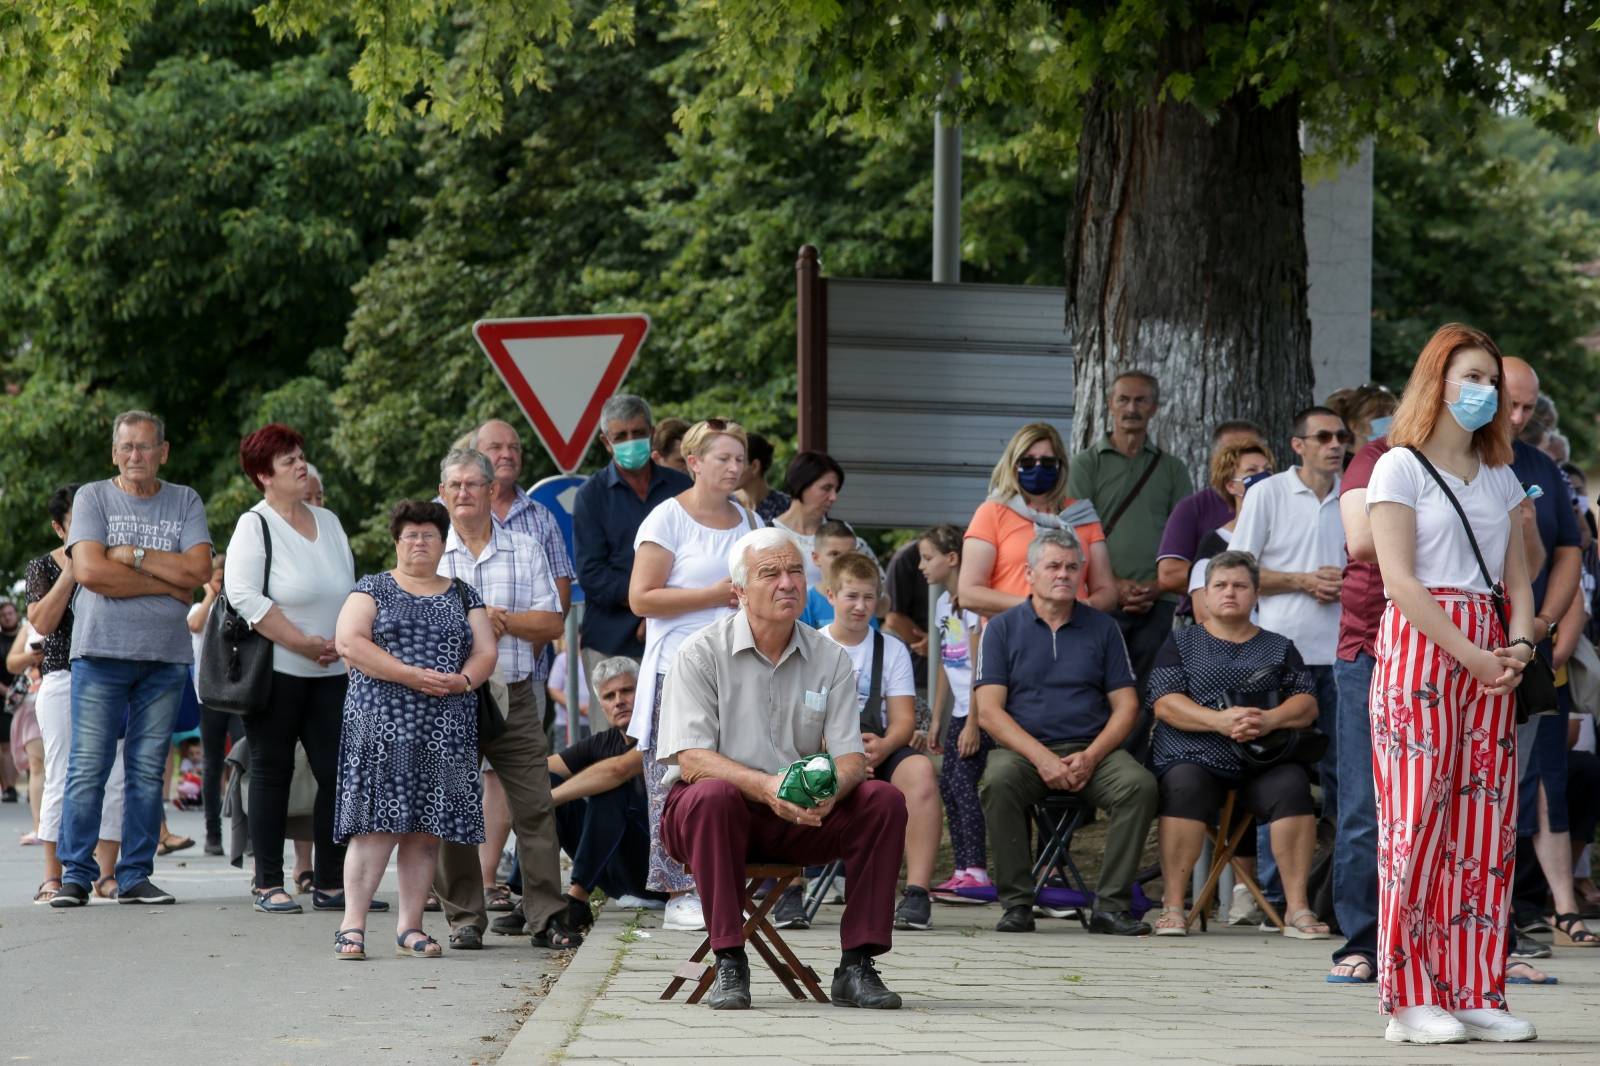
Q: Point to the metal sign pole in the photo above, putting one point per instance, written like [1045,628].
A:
[574,669]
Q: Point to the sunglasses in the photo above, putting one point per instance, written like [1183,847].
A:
[716,425]
[1328,436]
[1028,462]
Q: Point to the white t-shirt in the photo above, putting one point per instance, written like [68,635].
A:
[898,677]
[1288,528]
[1444,556]
[198,640]
[309,583]
[699,560]
[955,654]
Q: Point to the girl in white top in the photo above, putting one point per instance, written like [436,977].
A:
[680,585]
[311,575]
[1442,699]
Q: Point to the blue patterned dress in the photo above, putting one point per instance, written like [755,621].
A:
[408,763]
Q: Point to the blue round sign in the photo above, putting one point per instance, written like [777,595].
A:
[557,493]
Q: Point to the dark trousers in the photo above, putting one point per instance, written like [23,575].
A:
[307,711]
[608,839]
[1355,847]
[1144,634]
[215,727]
[713,830]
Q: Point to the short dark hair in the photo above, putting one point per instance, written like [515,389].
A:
[668,435]
[1237,425]
[806,469]
[1144,376]
[1232,560]
[832,528]
[258,451]
[758,449]
[418,513]
[60,505]
[1573,470]
[1306,414]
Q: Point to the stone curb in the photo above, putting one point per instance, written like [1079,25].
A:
[555,1023]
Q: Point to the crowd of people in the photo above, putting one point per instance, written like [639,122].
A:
[1392,639]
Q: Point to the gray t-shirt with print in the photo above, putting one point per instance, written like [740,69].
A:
[142,628]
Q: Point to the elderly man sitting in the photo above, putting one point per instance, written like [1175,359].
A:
[602,813]
[746,697]
[1056,692]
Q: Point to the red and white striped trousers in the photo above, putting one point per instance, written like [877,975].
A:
[1445,762]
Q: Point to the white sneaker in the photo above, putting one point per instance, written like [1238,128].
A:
[684,913]
[1497,1025]
[638,903]
[1425,1025]
[1242,909]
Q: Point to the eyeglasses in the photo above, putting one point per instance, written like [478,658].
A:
[427,537]
[1328,436]
[142,449]
[455,488]
[1028,462]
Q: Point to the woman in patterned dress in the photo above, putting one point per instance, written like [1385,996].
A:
[417,645]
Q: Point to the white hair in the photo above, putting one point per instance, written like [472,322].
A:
[313,472]
[611,669]
[757,540]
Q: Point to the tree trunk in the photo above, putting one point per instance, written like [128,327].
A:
[1187,259]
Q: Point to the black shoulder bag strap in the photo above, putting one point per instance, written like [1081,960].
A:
[1138,487]
[266,540]
[872,712]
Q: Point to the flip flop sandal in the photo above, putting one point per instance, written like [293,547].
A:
[432,903]
[172,843]
[1356,963]
[101,891]
[497,898]
[426,948]
[304,881]
[1549,979]
[347,938]
[1569,932]
[1181,929]
[1303,925]
[44,893]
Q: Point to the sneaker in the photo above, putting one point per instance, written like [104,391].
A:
[915,910]
[835,891]
[1495,1025]
[214,845]
[146,892]
[730,989]
[70,894]
[790,910]
[1243,909]
[684,913]
[859,985]
[8,795]
[512,924]
[1534,927]
[1424,1025]
[1526,947]
[637,903]
[951,891]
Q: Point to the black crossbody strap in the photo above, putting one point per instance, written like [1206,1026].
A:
[1138,487]
[872,713]
[266,538]
[1494,586]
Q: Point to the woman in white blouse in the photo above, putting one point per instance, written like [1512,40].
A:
[296,607]
[680,585]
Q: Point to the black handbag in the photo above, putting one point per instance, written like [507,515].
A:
[1537,692]
[1303,745]
[491,720]
[235,673]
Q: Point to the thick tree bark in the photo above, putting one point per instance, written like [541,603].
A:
[1187,259]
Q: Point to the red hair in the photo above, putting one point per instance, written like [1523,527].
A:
[259,450]
[1422,404]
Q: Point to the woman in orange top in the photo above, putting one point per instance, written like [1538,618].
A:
[1027,492]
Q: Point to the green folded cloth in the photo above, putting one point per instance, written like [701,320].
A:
[809,781]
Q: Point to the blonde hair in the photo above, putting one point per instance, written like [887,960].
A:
[697,440]
[1003,481]
[851,566]
[1226,460]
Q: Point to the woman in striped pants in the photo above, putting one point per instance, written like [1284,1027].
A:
[1442,701]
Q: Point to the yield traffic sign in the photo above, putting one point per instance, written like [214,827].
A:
[561,371]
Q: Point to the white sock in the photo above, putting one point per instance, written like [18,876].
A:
[978,874]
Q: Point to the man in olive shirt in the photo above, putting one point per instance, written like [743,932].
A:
[1134,486]
[746,697]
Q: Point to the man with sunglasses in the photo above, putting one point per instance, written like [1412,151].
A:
[1290,523]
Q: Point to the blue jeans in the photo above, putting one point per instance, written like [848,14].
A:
[103,691]
[1328,717]
[1355,849]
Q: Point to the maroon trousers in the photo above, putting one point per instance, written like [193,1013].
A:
[711,828]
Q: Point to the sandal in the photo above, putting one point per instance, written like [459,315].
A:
[1570,932]
[346,938]
[276,901]
[557,935]
[1173,922]
[1528,978]
[497,898]
[1361,971]
[304,881]
[432,903]
[173,842]
[44,893]
[1303,925]
[100,889]
[426,948]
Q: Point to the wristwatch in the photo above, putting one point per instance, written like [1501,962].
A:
[1550,627]
[138,559]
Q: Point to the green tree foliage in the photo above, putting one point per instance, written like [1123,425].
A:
[203,270]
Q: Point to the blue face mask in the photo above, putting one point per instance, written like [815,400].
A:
[1476,405]
[631,454]
[1256,478]
[1380,426]
[1038,480]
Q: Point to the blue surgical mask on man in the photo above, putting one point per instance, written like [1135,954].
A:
[632,454]
[1256,478]
[1380,426]
[1476,405]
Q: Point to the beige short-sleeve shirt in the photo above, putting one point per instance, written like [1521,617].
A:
[723,695]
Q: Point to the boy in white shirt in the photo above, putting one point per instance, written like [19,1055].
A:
[853,589]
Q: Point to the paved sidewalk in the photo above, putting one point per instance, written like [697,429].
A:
[974,995]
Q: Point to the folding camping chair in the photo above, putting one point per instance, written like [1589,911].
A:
[1224,841]
[1058,816]
[758,933]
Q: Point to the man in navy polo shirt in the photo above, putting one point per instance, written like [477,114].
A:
[1056,691]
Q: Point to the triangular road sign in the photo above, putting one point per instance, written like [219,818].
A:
[561,371]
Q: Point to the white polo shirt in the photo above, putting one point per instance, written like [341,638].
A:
[1285,526]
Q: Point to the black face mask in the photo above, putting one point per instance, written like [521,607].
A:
[1346,464]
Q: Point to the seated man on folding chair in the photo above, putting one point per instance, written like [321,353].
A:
[1055,690]
[745,697]
[1214,687]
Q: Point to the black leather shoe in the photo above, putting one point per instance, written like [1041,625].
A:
[1018,919]
[730,988]
[1117,923]
[859,985]
[512,924]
